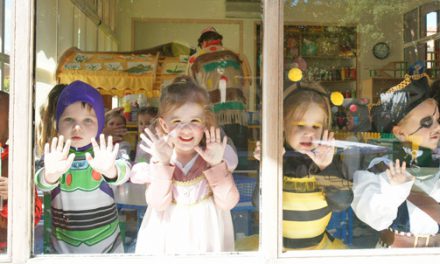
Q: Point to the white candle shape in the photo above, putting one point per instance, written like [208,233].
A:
[222,88]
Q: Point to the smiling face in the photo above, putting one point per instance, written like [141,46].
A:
[420,125]
[78,123]
[306,129]
[186,124]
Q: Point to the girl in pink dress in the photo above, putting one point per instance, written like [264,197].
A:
[190,188]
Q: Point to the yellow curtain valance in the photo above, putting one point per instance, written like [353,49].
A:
[112,73]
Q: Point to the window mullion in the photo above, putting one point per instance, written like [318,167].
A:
[271,129]
[20,125]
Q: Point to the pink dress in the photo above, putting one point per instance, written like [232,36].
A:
[188,208]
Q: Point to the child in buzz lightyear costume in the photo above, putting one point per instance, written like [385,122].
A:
[78,174]
[399,195]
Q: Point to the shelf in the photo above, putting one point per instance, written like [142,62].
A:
[329,57]
[336,81]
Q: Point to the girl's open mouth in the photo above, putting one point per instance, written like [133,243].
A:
[186,139]
[306,144]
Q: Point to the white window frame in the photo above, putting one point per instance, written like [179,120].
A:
[21,157]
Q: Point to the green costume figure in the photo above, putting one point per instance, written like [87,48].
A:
[84,213]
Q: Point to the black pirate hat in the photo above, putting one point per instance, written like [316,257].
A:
[398,101]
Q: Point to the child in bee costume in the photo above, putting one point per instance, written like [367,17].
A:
[399,194]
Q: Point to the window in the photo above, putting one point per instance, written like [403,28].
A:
[294,13]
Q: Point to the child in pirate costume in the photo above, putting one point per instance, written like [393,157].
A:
[78,174]
[399,195]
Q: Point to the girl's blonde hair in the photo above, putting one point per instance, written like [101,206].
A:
[47,127]
[298,100]
[184,90]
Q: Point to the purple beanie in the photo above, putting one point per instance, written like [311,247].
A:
[79,91]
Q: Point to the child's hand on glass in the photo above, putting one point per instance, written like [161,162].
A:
[397,174]
[257,150]
[104,156]
[215,147]
[57,159]
[322,155]
[4,188]
[159,147]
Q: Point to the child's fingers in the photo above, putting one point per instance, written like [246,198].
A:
[90,160]
[53,146]
[102,145]
[217,135]
[109,143]
[331,136]
[69,161]
[94,145]
[332,145]
[115,151]
[60,143]
[225,142]
[66,148]
[212,134]
[404,167]
[397,169]
[207,136]
[325,135]
[150,134]
[391,168]
[46,149]
[146,140]
[146,149]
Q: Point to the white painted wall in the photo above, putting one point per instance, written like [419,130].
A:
[188,9]
[60,26]
[57,37]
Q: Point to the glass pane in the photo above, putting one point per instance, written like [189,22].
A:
[429,18]
[187,191]
[411,25]
[348,116]
[431,23]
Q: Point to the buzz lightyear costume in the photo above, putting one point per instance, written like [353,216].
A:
[84,214]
